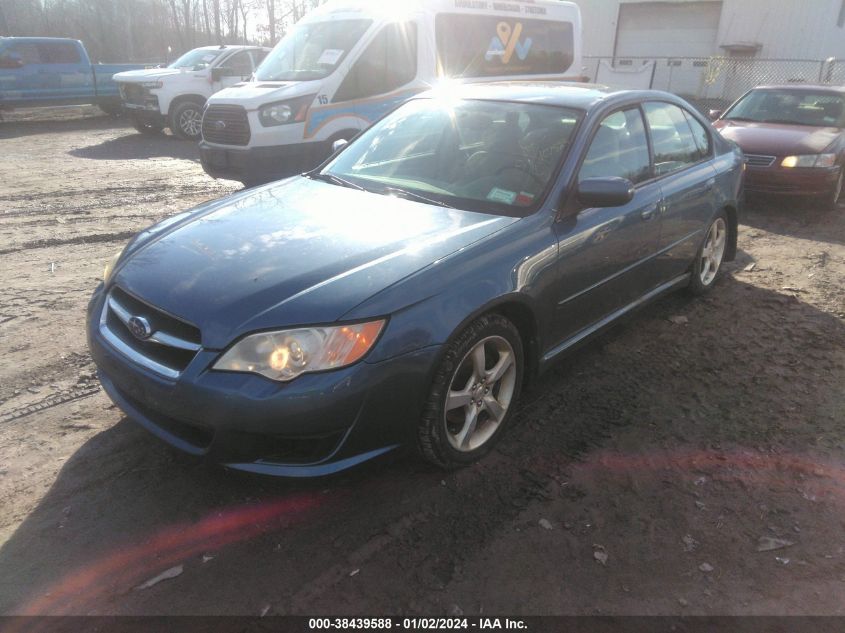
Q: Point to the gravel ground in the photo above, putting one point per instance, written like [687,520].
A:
[644,475]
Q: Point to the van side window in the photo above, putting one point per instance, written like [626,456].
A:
[59,53]
[619,148]
[675,147]
[388,63]
[491,46]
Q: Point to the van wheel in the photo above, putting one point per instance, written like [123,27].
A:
[186,120]
[711,255]
[473,394]
[145,127]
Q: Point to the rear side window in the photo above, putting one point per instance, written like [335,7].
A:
[619,148]
[675,147]
[59,53]
[491,46]
[388,63]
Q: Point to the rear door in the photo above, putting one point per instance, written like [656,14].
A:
[606,254]
[683,150]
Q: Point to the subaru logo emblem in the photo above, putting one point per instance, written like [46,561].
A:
[220,125]
[140,328]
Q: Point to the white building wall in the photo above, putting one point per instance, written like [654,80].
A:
[789,29]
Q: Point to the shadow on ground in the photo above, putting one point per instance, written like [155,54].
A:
[749,367]
[804,219]
[136,146]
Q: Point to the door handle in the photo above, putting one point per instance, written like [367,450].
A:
[649,213]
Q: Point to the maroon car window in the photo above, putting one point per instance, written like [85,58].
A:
[675,147]
[619,148]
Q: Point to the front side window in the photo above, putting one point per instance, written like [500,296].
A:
[491,46]
[486,156]
[238,65]
[675,147]
[791,107]
[619,149]
[388,63]
[311,51]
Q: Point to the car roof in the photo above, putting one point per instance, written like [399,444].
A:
[804,87]
[558,93]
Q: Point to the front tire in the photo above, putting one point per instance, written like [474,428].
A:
[186,120]
[835,197]
[145,127]
[473,394]
[711,255]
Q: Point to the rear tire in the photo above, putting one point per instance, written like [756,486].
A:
[186,120]
[145,127]
[473,395]
[707,266]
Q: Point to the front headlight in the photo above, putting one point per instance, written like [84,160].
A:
[109,268]
[152,85]
[287,354]
[810,160]
[285,112]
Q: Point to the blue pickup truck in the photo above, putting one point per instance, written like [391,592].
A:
[46,71]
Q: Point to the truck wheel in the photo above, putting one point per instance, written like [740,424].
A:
[186,120]
[112,109]
[145,127]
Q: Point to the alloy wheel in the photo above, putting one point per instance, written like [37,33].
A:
[190,122]
[480,393]
[713,251]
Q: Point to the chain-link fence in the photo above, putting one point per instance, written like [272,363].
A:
[711,82]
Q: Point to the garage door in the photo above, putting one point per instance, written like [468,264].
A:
[668,29]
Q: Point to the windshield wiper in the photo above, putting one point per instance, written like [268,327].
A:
[787,122]
[335,180]
[410,195]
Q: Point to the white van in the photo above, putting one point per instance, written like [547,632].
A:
[349,62]
[175,96]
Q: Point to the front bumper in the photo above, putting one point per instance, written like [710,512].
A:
[797,181]
[259,165]
[316,425]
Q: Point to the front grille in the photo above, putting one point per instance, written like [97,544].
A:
[757,160]
[167,346]
[134,93]
[225,125]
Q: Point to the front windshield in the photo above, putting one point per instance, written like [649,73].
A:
[486,156]
[312,50]
[795,107]
[197,59]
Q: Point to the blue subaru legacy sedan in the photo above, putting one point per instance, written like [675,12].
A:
[402,293]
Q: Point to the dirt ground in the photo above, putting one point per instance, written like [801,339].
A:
[642,476]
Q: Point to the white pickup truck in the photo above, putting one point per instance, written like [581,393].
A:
[175,96]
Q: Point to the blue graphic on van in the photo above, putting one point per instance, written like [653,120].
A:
[369,111]
[506,42]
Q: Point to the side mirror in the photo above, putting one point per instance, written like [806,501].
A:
[218,73]
[339,144]
[715,114]
[605,192]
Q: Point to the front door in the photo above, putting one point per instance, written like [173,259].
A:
[606,254]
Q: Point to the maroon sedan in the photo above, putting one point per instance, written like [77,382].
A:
[793,138]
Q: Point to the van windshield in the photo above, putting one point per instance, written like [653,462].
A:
[485,156]
[312,50]
[197,59]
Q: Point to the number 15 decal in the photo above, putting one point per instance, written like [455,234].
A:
[323,100]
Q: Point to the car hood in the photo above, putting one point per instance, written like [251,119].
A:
[254,94]
[773,139]
[150,74]
[293,253]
